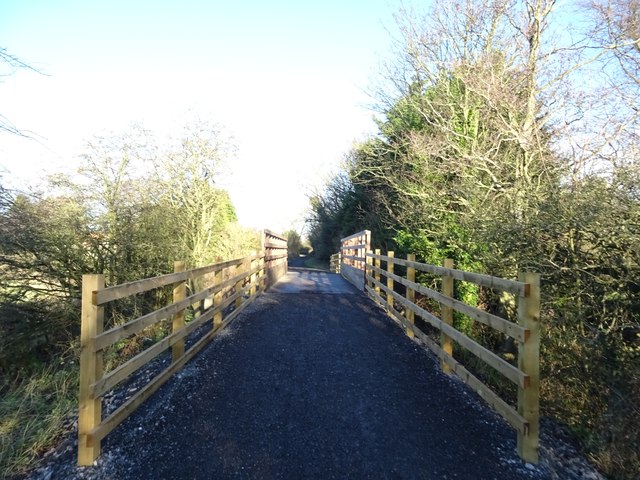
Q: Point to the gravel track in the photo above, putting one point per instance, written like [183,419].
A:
[312,385]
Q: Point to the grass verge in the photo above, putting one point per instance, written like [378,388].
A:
[33,412]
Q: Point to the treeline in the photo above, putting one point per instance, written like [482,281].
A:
[508,140]
[138,203]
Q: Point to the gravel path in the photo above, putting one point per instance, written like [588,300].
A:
[310,385]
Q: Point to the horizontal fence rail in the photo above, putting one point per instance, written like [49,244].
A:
[229,288]
[276,255]
[380,285]
[352,257]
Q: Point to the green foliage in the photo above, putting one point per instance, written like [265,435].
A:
[33,332]
[472,162]
[135,206]
[294,243]
[334,213]
[427,250]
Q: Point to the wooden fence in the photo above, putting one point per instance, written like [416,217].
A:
[275,255]
[334,263]
[526,333]
[233,285]
[353,257]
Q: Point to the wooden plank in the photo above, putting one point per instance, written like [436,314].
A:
[354,257]
[259,275]
[121,373]
[217,298]
[498,404]
[270,233]
[136,325]
[354,247]
[240,269]
[494,283]
[489,396]
[362,233]
[91,368]
[125,370]
[377,272]
[498,323]
[390,265]
[179,294]
[262,276]
[127,408]
[119,415]
[271,258]
[371,291]
[490,358]
[446,314]
[529,363]
[126,289]
[239,294]
[410,295]
[252,276]
[274,246]
[335,263]
[353,275]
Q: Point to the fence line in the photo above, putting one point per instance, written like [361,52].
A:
[353,252]
[380,284]
[526,333]
[220,303]
[276,255]
[334,263]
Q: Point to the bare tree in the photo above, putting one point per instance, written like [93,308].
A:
[616,33]
[483,95]
[9,64]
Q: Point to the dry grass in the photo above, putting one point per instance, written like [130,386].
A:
[33,411]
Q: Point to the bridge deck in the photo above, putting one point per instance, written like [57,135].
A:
[313,381]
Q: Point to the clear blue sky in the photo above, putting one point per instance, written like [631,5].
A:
[287,78]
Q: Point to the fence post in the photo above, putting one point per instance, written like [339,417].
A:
[217,297]
[252,278]
[411,296]
[179,294]
[367,269]
[529,363]
[241,268]
[90,413]
[447,315]
[390,266]
[377,274]
[366,266]
[262,273]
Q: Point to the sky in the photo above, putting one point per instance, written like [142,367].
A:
[287,80]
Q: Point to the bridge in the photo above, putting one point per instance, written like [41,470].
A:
[297,373]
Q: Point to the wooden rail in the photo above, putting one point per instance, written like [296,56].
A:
[276,255]
[234,285]
[526,333]
[334,263]
[353,257]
